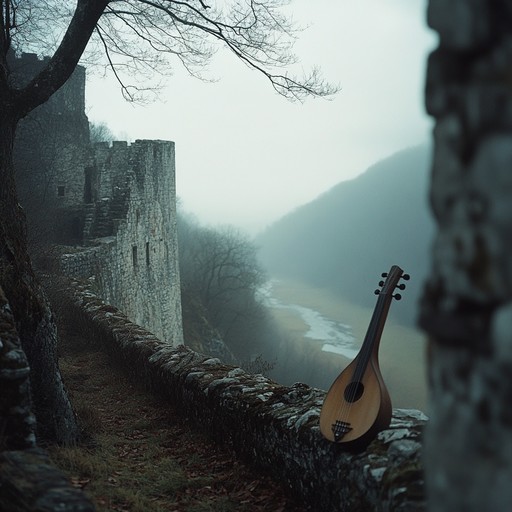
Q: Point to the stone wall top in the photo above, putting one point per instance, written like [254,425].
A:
[273,426]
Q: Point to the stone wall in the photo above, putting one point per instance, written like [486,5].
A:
[134,259]
[112,206]
[51,147]
[467,306]
[17,422]
[272,426]
[28,482]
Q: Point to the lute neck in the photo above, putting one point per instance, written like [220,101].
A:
[373,334]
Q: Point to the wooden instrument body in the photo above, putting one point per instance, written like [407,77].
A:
[366,416]
[358,406]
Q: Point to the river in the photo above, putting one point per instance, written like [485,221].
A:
[335,336]
[326,332]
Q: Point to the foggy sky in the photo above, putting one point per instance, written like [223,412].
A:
[246,156]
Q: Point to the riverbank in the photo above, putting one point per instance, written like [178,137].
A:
[304,354]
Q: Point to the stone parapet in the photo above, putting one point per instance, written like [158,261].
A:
[273,426]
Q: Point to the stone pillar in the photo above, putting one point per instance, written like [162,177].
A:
[467,303]
[17,423]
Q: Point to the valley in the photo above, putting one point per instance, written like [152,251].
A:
[317,323]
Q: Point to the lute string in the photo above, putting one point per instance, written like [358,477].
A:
[376,325]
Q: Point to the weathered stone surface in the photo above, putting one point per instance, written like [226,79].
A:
[17,423]
[274,426]
[29,483]
[467,303]
[132,224]
[119,199]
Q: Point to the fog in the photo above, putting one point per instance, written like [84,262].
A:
[323,332]
[327,258]
[344,239]
[246,156]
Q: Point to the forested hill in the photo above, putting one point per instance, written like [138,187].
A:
[347,237]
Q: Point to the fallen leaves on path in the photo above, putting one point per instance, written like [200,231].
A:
[142,456]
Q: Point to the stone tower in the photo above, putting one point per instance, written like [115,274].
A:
[115,206]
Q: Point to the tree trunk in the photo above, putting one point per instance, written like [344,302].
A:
[467,304]
[33,319]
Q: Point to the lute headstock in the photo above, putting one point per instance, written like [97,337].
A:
[392,282]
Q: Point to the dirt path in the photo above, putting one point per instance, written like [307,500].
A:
[140,455]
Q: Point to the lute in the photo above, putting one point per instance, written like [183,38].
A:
[357,406]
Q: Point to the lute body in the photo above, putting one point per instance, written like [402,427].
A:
[358,406]
[356,422]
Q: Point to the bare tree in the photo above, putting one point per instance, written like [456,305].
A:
[100,132]
[135,36]
[219,270]
[224,262]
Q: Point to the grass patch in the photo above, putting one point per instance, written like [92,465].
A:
[139,455]
[80,462]
[221,505]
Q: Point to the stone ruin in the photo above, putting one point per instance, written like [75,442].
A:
[109,209]
[274,427]
[107,215]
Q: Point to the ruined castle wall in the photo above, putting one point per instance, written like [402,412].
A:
[70,161]
[113,168]
[143,276]
[68,100]
[119,201]
[136,269]
[51,149]
[68,140]
[86,262]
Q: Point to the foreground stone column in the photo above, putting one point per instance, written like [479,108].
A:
[29,483]
[467,304]
[17,423]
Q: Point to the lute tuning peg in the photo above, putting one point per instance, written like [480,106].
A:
[406,277]
[401,286]
[397,296]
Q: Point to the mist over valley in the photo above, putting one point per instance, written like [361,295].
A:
[325,260]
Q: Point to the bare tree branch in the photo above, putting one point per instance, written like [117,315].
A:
[142,39]
[65,59]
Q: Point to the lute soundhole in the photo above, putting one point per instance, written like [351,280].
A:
[353,392]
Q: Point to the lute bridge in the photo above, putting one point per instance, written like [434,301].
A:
[340,429]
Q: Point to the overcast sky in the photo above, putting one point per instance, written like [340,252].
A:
[246,156]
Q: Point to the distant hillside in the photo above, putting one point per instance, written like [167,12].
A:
[347,237]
